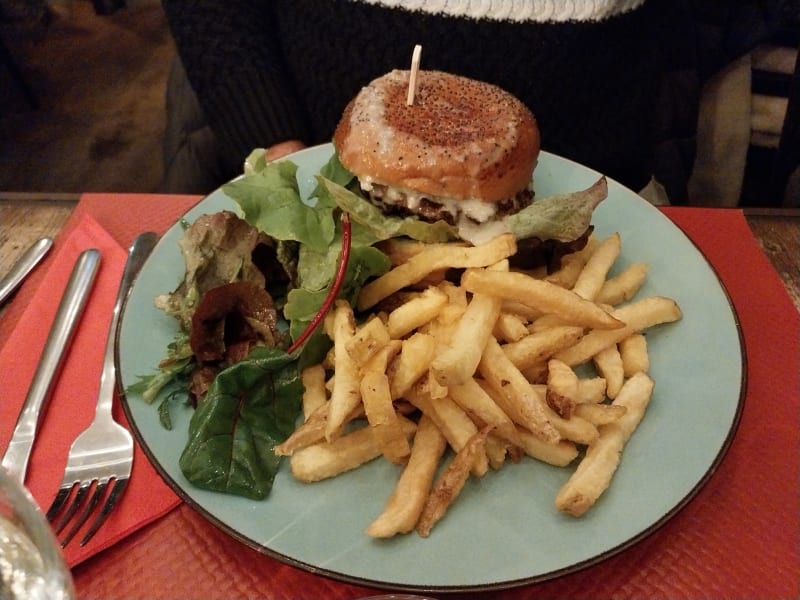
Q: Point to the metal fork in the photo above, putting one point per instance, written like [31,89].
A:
[103,453]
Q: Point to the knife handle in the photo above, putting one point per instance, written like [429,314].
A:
[23,266]
[67,316]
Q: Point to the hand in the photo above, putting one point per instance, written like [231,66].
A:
[281,149]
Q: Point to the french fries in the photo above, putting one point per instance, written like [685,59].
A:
[405,505]
[624,286]
[314,393]
[538,347]
[432,259]
[633,351]
[328,459]
[345,395]
[382,416]
[449,485]
[542,295]
[461,378]
[458,362]
[594,473]
[514,394]
[416,312]
[636,316]
[593,275]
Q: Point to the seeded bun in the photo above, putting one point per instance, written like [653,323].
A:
[460,139]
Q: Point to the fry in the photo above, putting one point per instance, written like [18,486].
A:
[593,275]
[509,327]
[633,350]
[383,358]
[624,286]
[345,394]
[471,397]
[572,265]
[513,394]
[368,339]
[541,295]
[496,450]
[637,316]
[536,348]
[451,482]
[456,295]
[576,429]
[527,313]
[312,430]
[608,363]
[411,491]
[452,421]
[415,357]
[545,322]
[347,452]
[433,259]
[416,312]
[594,473]
[591,390]
[559,454]
[382,416]
[562,388]
[314,392]
[536,374]
[599,414]
[459,360]
[634,396]
[401,250]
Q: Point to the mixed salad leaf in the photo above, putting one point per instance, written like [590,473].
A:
[250,408]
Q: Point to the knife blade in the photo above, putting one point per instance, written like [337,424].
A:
[70,309]
[23,266]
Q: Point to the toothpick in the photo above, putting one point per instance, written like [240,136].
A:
[412,80]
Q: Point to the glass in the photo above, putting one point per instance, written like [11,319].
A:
[31,564]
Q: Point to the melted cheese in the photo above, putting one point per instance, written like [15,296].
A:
[474,218]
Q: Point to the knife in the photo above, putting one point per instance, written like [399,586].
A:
[76,294]
[23,266]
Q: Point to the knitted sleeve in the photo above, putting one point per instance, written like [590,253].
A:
[237,70]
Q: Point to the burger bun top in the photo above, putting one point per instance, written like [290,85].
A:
[459,139]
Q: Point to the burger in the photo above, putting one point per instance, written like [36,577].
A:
[464,151]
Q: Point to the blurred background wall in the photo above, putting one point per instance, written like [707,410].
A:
[82,105]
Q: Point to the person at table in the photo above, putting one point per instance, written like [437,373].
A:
[614,84]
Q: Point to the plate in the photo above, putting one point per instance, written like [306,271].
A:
[501,531]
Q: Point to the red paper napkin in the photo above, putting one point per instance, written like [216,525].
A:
[71,406]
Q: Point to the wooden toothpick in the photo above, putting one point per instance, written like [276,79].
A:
[412,80]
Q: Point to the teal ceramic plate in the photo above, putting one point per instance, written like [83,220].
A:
[504,530]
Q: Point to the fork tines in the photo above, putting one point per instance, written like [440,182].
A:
[100,488]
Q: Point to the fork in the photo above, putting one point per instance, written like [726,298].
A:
[103,453]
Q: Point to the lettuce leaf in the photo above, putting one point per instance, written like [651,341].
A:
[380,225]
[270,200]
[562,217]
[250,408]
[303,302]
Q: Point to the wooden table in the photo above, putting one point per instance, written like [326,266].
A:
[25,217]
